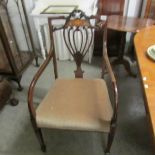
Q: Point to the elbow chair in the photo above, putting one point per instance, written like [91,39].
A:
[78,103]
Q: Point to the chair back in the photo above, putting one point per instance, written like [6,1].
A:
[78,34]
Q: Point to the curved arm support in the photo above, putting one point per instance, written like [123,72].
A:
[109,69]
[34,81]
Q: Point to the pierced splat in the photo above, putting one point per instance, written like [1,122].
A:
[78,35]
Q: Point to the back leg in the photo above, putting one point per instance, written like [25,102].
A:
[110,138]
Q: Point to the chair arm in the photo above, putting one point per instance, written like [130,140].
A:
[112,77]
[34,81]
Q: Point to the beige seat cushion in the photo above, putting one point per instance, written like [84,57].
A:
[76,104]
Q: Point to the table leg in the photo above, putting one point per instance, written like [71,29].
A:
[131,49]
[122,59]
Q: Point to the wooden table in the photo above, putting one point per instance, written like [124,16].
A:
[126,24]
[142,41]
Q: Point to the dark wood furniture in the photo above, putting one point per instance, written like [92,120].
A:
[109,7]
[76,104]
[6,93]
[150,9]
[13,61]
[126,24]
[142,41]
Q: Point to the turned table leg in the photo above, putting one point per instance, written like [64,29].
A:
[122,59]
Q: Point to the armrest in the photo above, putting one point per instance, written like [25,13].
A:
[34,81]
[112,77]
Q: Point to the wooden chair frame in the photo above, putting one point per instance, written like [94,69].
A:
[83,20]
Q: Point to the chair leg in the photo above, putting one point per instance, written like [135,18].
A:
[41,140]
[39,135]
[110,138]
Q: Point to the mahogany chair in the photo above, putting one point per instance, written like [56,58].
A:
[76,104]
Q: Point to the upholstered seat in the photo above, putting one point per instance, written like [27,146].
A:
[78,104]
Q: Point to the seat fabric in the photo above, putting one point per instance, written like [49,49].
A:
[76,104]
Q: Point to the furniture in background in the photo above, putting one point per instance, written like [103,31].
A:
[150,9]
[126,24]
[76,104]
[109,7]
[5,93]
[41,24]
[142,41]
[13,60]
